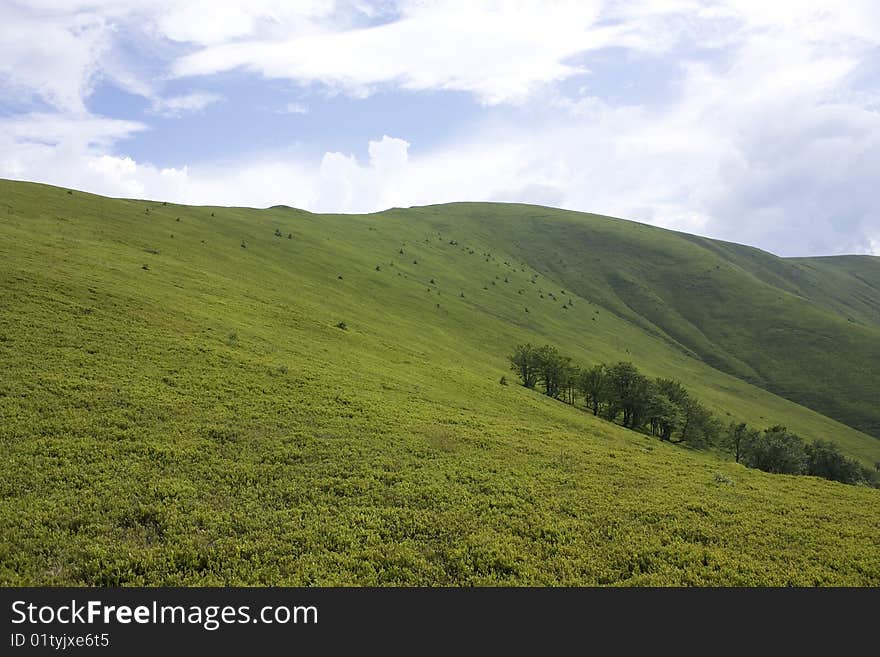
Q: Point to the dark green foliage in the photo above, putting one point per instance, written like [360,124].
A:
[666,408]
[593,385]
[738,438]
[553,370]
[524,362]
[664,415]
[777,450]
[824,459]
[629,393]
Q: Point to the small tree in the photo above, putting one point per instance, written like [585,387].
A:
[663,414]
[593,385]
[738,439]
[552,370]
[629,393]
[568,382]
[524,361]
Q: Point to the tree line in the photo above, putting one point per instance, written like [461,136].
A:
[664,408]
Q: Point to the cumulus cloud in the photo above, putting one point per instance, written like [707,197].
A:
[433,45]
[50,57]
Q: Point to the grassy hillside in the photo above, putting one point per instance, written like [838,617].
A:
[178,406]
[805,329]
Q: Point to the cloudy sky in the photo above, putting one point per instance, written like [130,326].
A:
[756,121]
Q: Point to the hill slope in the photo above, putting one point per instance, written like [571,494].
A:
[177,405]
[805,329]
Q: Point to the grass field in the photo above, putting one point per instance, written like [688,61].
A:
[179,406]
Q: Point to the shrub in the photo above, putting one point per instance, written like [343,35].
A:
[778,451]
[342,325]
[824,459]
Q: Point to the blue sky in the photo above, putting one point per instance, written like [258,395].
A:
[743,120]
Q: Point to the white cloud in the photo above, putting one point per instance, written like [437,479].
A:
[210,22]
[388,154]
[293,108]
[189,103]
[433,45]
[54,58]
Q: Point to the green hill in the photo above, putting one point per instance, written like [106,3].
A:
[806,329]
[178,404]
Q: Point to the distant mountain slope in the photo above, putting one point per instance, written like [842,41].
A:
[807,329]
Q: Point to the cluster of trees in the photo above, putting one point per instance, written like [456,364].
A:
[618,392]
[780,451]
[665,408]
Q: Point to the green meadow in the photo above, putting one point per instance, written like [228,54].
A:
[230,396]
